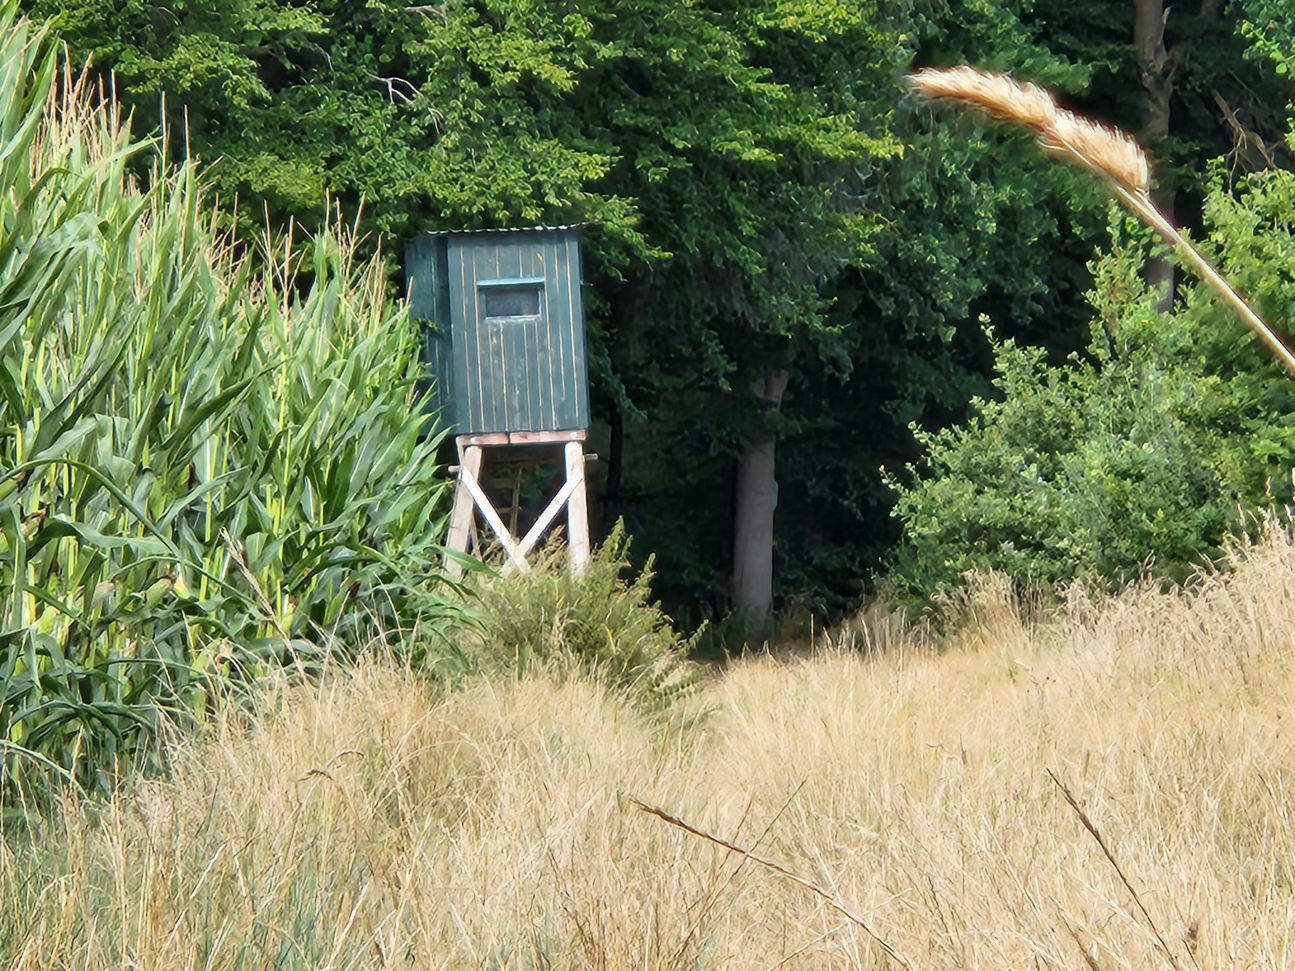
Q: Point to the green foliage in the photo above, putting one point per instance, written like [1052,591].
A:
[598,623]
[1214,71]
[1270,29]
[720,148]
[1142,454]
[484,112]
[204,469]
[764,196]
[975,224]
[1144,451]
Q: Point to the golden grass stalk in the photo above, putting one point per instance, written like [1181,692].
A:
[1091,828]
[1108,152]
[1104,150]
[829,898]
[372,822]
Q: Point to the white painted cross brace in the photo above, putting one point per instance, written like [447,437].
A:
[516,557]
[470,493]
[550,513]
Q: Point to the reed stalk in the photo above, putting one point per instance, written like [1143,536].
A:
[1110,154]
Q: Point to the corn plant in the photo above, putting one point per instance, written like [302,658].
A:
[209,463]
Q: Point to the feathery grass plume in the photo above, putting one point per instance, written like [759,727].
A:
[1109,152]
[1003,97]
[1106,150]
[1097,147]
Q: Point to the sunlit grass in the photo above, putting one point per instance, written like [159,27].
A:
[376,822]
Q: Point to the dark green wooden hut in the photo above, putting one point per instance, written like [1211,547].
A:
[505,333]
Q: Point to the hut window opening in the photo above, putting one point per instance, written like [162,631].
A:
[501,299]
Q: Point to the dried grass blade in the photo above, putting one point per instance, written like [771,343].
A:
[1096,834]
[829,898]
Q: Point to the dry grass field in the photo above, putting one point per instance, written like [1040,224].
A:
[373,822]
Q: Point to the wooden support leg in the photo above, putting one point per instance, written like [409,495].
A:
[577,510]
[461,517]
[515,559]
[550,513]
[469,498]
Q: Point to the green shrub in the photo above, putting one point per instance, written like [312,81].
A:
[1140,455]
[204,469]
[598,623]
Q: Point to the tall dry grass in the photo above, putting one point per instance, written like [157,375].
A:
[371,823]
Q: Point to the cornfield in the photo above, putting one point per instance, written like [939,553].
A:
[211,461]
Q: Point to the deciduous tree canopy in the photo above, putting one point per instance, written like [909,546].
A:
[769,210]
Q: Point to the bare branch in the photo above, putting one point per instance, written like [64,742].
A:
[407,95]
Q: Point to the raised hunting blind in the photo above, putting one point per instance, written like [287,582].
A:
[504,348]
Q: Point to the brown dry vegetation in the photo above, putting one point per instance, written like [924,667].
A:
[375,823]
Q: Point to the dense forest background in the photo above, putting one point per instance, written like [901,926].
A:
[789,255]
[845,342]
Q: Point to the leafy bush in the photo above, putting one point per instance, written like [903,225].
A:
[595,623]
[204,469]
[1140,455]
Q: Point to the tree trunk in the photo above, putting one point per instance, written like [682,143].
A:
[1158,67]
[757,496]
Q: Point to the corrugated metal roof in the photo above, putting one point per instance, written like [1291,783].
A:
[514,229]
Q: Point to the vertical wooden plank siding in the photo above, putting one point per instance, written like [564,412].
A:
[420,285]
[474,416]
[526,373]
[487,414]
[492,369]
[429,295]
[441,334]
[519,392]
[557,303]
[468,387]
[510,265]
[530,259]
[546,350]
[576,323]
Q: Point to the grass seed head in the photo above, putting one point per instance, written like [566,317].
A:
[1105,150]
[1003,97]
